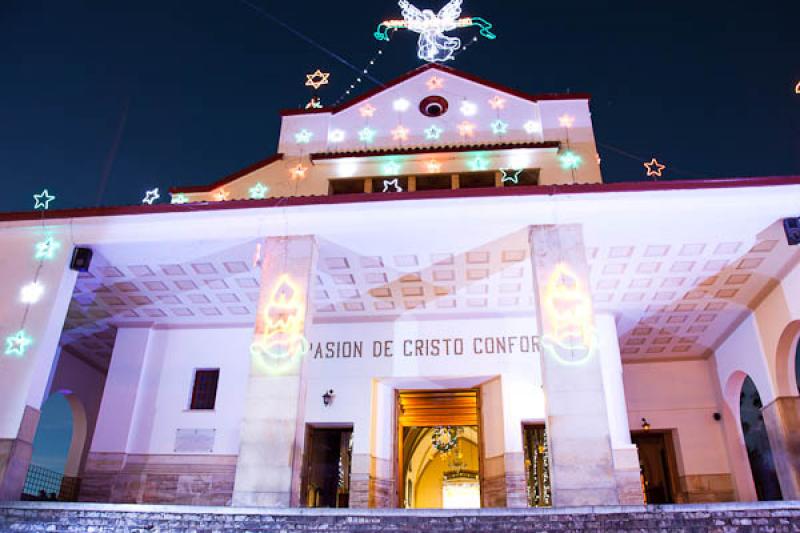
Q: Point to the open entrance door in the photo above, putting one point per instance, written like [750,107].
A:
[326,473]
[657,463]
[439,449]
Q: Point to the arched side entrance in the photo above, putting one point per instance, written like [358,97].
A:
[759,452]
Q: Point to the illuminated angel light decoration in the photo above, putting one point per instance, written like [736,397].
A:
[280,341]
[434,46]
[46,249]
[392,184]
[570,335]
[151,196]
[258,191]
[434,133]
[43,200]
[18,343]
[654,168]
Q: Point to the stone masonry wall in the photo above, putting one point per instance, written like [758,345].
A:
[96,518]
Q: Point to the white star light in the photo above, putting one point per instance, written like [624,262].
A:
[31,293]
[468,109]
[223,195]
[303,136]
[43,200]
[392,183]
[434,133]
[46,249]
[532,127]
[258,191]
[336,136]
[511,178]
[401,105]
[180,199]
[151,196]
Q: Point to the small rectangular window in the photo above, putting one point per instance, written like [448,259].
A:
[436,182]
[352,186]
[204,392]
[476,180]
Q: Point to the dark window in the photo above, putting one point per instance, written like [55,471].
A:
[476,180]
[434,183]
[390,184]
[204,392]
[346,187]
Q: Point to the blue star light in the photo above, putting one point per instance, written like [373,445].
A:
[43,200]
[499,127]
[180,199]
[570,160]
[303,136]
[258,191]
[367,135]
[46,249]
[18,343]
[391,168]
[434,133]
[479,163]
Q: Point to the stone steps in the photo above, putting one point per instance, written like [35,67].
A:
[96,518]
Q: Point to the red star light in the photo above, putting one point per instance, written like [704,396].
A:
[466,129]
[298,172]
[497,102]
[435,83]
[566,121]
[317,79]
[400,133]
[367,110]
[654,168]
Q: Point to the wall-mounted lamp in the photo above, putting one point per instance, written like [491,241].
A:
[645,424]
[328,397]
[717,416]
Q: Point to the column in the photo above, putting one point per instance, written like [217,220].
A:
[25,372]
[270,452]
[782,419]
[578,422]
[103,478]
[372,483]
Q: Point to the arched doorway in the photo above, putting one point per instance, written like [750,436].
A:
[797,366]
[57,450]
[756,440]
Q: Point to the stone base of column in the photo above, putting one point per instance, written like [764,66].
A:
[15,456]
[706,488]
[627,473]
[504,482]
[368,491]
[782,419]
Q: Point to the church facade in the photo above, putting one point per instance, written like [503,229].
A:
[428,298]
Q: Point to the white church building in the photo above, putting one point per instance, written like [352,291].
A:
[427,298]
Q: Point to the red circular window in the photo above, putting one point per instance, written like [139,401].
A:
[433,106]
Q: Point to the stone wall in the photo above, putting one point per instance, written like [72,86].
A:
[158,479]
[95,518]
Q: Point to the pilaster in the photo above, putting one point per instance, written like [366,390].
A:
[782,419]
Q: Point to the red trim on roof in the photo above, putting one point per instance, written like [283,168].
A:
[542,190]
[226,180]
[435,150]
[449,70]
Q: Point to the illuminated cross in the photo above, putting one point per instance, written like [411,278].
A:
[434,46]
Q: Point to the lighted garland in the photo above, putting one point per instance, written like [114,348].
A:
[444,438]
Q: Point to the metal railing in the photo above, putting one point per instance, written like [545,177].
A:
[43,484]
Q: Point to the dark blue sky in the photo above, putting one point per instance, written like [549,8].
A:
[705,86]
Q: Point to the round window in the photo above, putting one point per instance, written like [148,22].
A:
[433,106]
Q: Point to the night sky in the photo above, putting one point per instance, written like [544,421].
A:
[162,93]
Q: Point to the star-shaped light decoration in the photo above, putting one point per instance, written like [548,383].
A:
[151,196]
[434,133]
[401,105]
[497,102]
[797,88]
[392,168]
[317,79]
[466,129]
[479,163]
[469,109]
[314,103]
[303,136]
[511,176]
[532,127]
[298,172]
[435,82]
[43,200]
[46,249]
[499,127]
[566,121]
[17,344]
[31,293]
[434,167]
[258,191]
[222,196]
[367,135]
[654,168]
[180,199]
[570,160]
[400,133]
[395,183]
[367,111]
[336,136]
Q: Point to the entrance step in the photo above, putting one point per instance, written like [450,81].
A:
[96,518]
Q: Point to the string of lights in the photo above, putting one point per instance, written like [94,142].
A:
[360,78]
